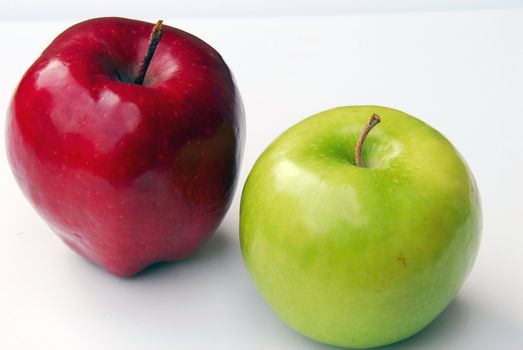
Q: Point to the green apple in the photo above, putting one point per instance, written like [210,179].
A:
[359,255]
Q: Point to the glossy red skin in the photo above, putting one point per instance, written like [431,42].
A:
[127,175]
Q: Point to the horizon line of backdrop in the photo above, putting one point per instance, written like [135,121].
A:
[65,9]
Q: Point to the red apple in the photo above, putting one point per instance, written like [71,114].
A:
[127,173]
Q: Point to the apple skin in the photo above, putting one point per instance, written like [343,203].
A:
[127,175]
[352,256]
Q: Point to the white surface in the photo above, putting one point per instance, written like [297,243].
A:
[461,72]
[66,9]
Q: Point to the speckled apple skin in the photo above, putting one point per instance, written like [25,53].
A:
[127,175]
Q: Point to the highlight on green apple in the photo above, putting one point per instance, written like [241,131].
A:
[359,234]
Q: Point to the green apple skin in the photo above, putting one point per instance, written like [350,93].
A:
[359,256]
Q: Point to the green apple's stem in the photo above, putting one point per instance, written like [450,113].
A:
[375,119]
[154,39]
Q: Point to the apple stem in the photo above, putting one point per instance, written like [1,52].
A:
[154,39]
[374,120]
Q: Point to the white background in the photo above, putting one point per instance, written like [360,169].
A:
[460,71]
[67,9]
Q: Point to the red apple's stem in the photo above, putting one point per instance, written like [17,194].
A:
[375,119]
[154,39]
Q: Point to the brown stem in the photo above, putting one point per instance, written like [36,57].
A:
[154,39]
[375,119]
